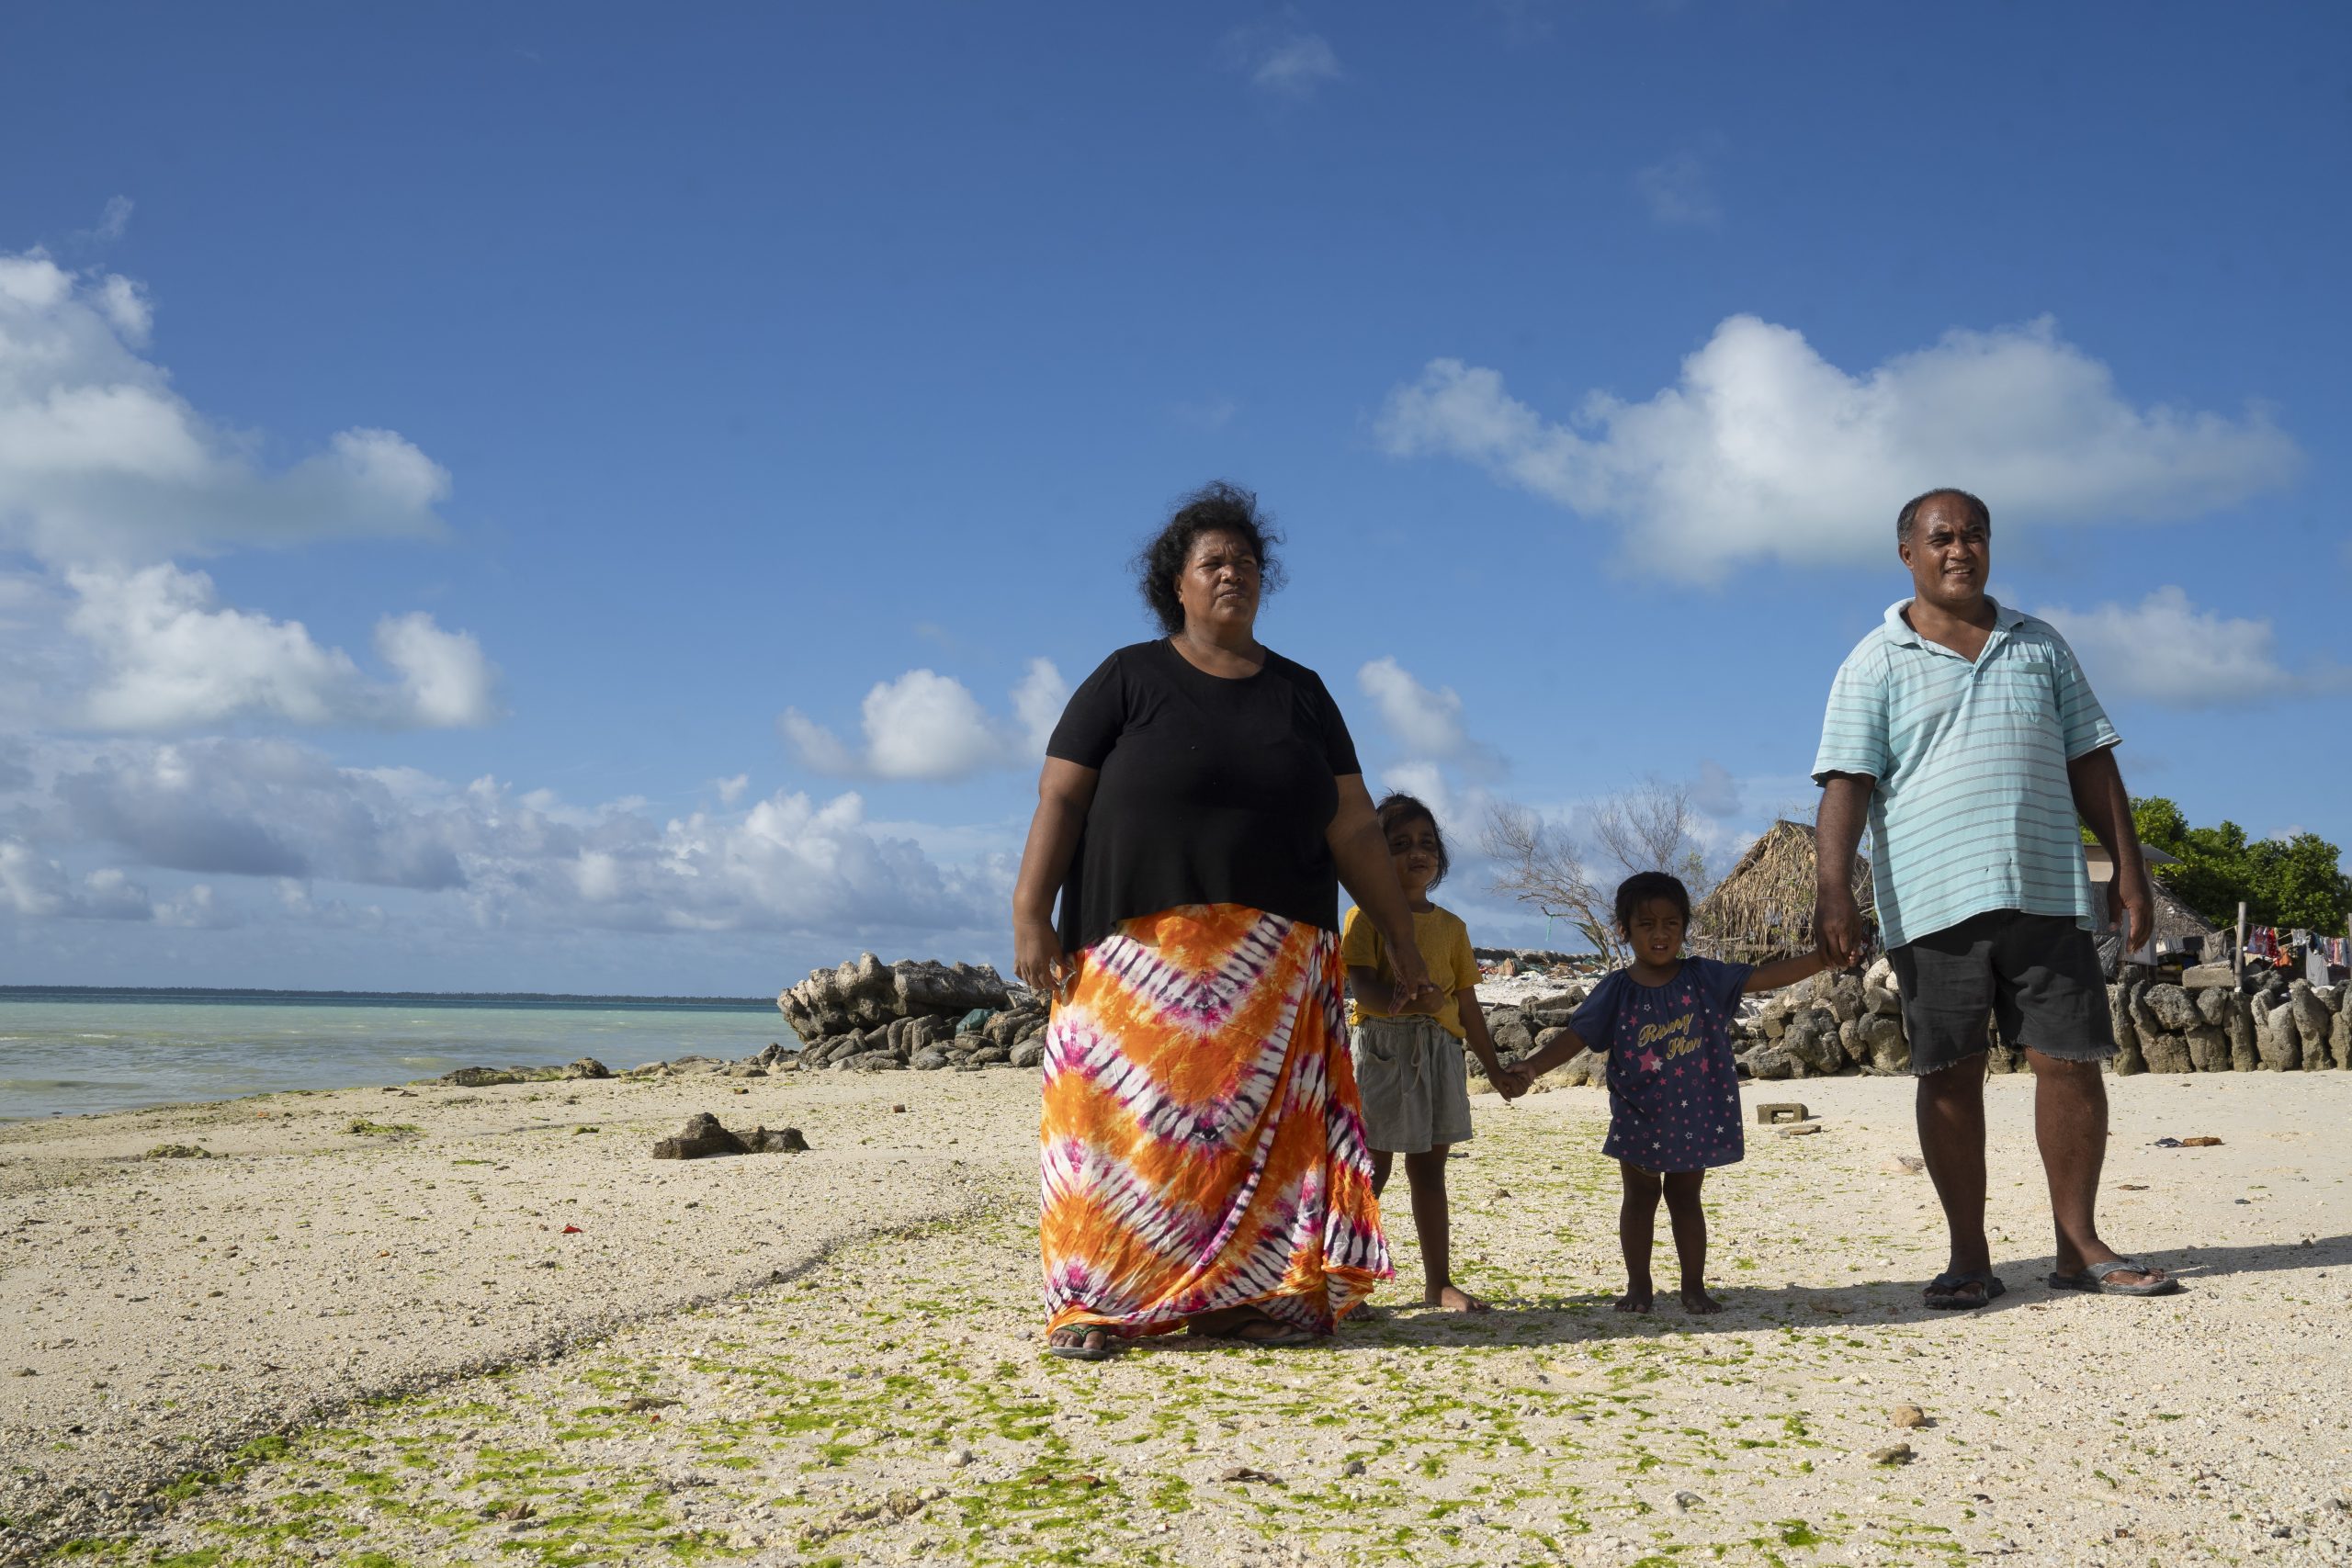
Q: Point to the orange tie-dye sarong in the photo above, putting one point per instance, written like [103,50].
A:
[1202,1145]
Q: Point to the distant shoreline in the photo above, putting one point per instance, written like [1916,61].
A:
[264,997]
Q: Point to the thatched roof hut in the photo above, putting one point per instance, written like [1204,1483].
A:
[1763,911]
[2180,928]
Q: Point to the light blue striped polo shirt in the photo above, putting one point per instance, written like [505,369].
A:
[1974,810]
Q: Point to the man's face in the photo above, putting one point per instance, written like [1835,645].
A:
[1949,553]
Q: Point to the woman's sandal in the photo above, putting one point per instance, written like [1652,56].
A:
[1070,1344]
[2098,1280]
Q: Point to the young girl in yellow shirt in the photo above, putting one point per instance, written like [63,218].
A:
[1409,1064]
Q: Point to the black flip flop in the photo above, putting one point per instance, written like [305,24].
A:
[1951,1284]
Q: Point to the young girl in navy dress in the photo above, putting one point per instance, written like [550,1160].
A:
[1665,1022]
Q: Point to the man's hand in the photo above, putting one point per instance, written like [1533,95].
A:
[1509,1079]
[1837,922]
[1837,927]
[2127,899]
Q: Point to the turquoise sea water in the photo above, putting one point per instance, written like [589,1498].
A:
[102,1051]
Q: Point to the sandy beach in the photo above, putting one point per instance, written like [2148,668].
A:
[392,1345]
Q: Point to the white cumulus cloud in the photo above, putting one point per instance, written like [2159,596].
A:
[928,725]
[101,461]
[1426,723]
[445,682]
[485,852]
[1438,760]
[34,884]
[1764,450]
[170,658]
[2166,650]
[1037,703]
[1427,782]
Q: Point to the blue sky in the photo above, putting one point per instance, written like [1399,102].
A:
[477,488]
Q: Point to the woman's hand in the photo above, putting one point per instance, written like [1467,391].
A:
[1039,958]
[1413,990]
[1429,1004]
[1064,792]
[1361,854]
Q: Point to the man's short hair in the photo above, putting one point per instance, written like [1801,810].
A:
[1909,515]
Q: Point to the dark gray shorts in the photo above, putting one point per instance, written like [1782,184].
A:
[2037,975]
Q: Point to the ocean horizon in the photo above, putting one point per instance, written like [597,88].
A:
[69,1051]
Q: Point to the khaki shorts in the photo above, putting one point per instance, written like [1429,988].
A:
[1415,1084]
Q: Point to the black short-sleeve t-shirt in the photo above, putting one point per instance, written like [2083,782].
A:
[1212,790]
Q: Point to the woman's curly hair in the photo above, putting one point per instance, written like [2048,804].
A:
[1215,508]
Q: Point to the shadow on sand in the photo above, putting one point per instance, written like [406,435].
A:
[1583,1317]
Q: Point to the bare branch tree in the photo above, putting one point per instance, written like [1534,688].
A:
[1647,829]
[1540,866]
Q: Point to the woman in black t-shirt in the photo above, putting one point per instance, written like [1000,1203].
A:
[1205,1164]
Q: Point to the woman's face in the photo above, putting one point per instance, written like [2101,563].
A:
[1218,586]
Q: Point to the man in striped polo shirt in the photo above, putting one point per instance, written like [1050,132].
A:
[1965,732]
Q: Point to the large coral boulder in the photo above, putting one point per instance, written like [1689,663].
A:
[865,992]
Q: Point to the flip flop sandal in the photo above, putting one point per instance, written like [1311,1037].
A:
[1078,1349]
[2098,1280]
[1949,1285]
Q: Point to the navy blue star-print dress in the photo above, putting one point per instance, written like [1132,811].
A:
[1673,1088]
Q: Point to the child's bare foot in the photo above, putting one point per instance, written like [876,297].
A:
[1696,1301]
[1452,1298]
[1636,1299]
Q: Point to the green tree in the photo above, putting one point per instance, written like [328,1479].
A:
[2299,883]
[2296,882]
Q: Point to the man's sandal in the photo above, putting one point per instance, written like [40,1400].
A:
[2100,1279]
[1944,1291]
[1070,1344]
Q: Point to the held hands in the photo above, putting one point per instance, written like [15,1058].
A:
[1510,1081]
[1411,990]
[1039,961]
[1837,927]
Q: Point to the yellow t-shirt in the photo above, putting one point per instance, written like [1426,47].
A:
[1444,942]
